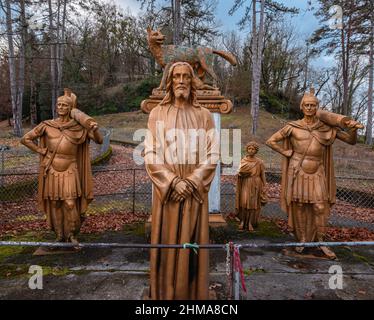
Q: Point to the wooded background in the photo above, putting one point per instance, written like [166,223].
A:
[100,51]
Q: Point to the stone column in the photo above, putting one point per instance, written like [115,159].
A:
[215,187]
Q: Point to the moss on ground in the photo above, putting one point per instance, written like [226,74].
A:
[137,229]
[268,229]
[265,229]
[22,270]
[103,158]
[250,271]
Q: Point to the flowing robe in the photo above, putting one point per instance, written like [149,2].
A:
[250,189]
[180,273]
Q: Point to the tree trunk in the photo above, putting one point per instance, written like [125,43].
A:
[61,49]
[52,48]
[22,57]
[346,50]
[254,60]
[369,124]
[16,104]
[306,67]
[176,5]
[257,71]
[33,109]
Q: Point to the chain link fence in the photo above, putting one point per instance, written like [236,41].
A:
[122,190]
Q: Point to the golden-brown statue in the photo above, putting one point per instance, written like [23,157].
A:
[65,177]
[250,195]
[181,152]
[308,180]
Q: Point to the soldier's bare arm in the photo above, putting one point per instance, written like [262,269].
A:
[29,138]
[273,143]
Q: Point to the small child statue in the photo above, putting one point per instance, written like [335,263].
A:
[250,195]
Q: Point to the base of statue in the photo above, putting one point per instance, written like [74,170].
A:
[146,295]
[217,220]
[308,253]
[210,99]
[46,251]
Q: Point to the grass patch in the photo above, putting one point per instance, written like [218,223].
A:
[137,229]
[22,270]
[9,251]
[29,217]
[6,252]
[13,270]
[268,229]
[96,209]
[350,255]
[250,271]
[265,229]
[103,158]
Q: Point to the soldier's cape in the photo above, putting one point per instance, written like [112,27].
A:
[78,135]
[326,136]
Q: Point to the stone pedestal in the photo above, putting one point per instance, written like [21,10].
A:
[210,99]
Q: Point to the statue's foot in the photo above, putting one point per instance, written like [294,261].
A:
[250,228]
[59,238]
[328,252]
[74,241]
[241,226]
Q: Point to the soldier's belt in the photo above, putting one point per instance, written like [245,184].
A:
[63,156]
[299,156]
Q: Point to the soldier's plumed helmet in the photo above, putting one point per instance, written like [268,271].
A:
[69,98]
[309,97]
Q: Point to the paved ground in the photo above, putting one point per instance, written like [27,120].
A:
[123,273]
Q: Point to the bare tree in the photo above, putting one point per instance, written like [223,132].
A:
[369,123]
[176,7]
[257,46]
[57,25]
[16,83]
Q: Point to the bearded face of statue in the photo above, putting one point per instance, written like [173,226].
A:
[182,79]
[309,107]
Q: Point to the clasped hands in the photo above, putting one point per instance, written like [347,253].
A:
[181,190]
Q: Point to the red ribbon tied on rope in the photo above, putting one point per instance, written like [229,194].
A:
[238,267]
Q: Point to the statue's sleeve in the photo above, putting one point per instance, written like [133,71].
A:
[154,153]
[286,131]
[203,174]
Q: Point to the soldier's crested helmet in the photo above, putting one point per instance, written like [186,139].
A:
[69,98]
[309,97]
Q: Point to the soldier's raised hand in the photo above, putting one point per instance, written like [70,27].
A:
[354,124]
